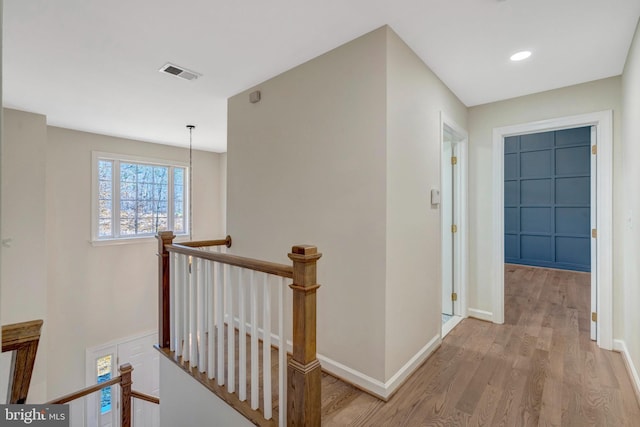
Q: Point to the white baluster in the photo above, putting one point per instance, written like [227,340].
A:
[282,357]
[179,274]
[242,337]
[201,303]
[266,347]
[172,301]
[193,312]
[186,281]
[231,328]
[255,401]
[220,320]
[211,365]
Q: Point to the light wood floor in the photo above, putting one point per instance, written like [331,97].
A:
[539,368]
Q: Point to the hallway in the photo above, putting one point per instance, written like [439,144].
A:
[539,368]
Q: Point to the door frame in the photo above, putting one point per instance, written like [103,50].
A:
[461,237]
[603,122]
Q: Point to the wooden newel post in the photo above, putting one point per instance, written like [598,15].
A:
[303,370]
[125,395]
[164,281]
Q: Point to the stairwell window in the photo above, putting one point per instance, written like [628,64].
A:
[136,197]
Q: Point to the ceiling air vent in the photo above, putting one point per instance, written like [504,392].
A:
[180,72]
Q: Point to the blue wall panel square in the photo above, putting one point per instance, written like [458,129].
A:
[574,136]
[535,192]
[511,166]
[537,248]
[511,220]
[573,161]
[535,163]
[573,191]
[573,221]
[511,193]
[573,250]
[511,144]
[536,141]
[511,242]
[535,220]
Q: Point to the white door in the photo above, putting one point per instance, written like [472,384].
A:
[146,377]
[103,408]
[447,201]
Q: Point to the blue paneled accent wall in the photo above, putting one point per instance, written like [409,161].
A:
[547,199]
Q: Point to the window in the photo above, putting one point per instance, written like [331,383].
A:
[103,374]
[138,197]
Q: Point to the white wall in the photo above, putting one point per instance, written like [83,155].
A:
[341,152]
[23,223]
[630,216]
[584,98]
[307,165]
[415,98]
[98,294]
[185,402]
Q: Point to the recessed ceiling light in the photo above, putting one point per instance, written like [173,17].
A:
[519,56]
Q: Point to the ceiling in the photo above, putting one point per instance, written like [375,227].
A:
[93,65]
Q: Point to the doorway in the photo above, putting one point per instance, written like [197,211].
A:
[601,130]
[453,202]
[102,362]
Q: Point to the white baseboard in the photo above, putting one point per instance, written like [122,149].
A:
[621,346]
[480,314]
[376,387]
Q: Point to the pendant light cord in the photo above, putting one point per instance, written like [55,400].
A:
[190,127]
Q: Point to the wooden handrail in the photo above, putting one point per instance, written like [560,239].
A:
[276,269]
[84,392]
[124,380]
[204,243]
[146,397]
[21,338]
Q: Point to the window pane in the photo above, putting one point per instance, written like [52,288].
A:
[127,172]
[105,197]
[128,226]
[104,227]
[160,174]
[105,169]
[128,191]
[178,176]
[178,197]
[145,191]
[103,370]
[145,174]
[104,209]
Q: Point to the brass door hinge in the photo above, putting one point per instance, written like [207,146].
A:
[594,317]
[454,296]
[454,160]
[594,149]
[594,233]
[454,228]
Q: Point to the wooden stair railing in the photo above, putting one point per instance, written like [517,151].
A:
[303,371]
[126,394]
[22,339]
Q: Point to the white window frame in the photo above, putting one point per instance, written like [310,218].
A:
[96,156]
